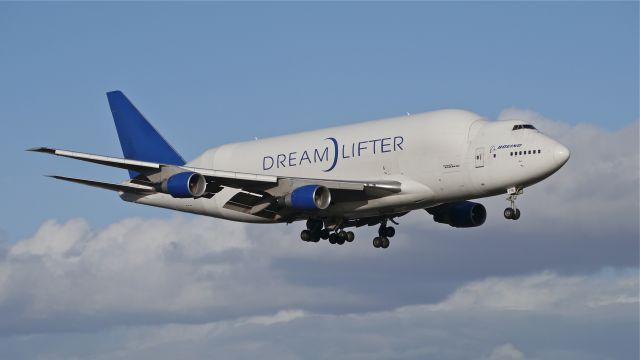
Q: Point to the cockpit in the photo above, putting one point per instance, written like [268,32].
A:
[523,126]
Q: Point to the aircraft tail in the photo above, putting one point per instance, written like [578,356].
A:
[138,138]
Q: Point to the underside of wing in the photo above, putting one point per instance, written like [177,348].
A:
[131,187]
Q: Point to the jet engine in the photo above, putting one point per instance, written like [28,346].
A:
[185,185]
[308,197]
[462,214]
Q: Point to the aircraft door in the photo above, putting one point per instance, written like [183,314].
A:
[479,157]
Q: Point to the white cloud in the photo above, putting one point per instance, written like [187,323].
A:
[505,352]
[545,292]
[483,331]
[149,288]
[143,271]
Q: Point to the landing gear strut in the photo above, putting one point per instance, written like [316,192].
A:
[512,213]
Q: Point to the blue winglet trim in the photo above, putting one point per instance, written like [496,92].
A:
[138,138]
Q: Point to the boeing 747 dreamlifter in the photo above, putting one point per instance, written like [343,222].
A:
[348,176]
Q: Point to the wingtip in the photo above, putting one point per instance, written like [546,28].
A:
[42,149]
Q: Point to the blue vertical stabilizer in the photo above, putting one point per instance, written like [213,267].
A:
[138,138]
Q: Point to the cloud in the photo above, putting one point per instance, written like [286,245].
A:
[142,271]
[469,324]
[533,289]
[506,352]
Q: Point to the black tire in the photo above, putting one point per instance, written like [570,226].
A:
[377,242]
[350,236]
[305,235]
[390,231]
[324,234]
[509,213]
[343,235]
[516,216]
[385,243]
[333,238]
[382,231]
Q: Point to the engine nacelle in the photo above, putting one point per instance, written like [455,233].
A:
[460,214]
[308,197]
[185,185]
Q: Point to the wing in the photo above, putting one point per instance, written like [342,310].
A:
[259,191]
[233,179]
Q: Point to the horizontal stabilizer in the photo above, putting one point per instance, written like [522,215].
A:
[134,188]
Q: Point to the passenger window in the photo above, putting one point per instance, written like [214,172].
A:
[539,151]
[529,152]
[520,152]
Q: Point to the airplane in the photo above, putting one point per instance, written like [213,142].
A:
[364,174]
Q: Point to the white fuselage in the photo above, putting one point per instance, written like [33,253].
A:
[438,157]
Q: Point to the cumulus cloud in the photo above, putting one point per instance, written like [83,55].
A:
[142,271]
[505,352]
[470,324]
[532,289]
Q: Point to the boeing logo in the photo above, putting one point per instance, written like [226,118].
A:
[331,153]
[509,146]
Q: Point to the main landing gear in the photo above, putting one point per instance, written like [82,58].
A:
[335,233]
[384,233]
[315,232]
[512,213]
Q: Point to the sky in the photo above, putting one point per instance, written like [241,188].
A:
[84,275]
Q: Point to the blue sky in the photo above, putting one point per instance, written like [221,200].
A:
[85,275]
[212,73]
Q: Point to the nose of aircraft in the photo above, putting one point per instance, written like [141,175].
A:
[561,154]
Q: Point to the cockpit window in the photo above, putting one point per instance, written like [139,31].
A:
[524,126]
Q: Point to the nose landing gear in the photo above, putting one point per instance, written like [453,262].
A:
[512,213]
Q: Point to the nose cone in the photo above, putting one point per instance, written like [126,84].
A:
[561,154]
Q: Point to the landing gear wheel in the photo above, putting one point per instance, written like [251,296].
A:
[377,242]
[305,235]
[512,214]
[390,231]
[342,237]
[509,213]
[350,236]
[385,243]
[333,238]
[315,236]
[324,234]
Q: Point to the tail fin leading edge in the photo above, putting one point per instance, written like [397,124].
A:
[138,138]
